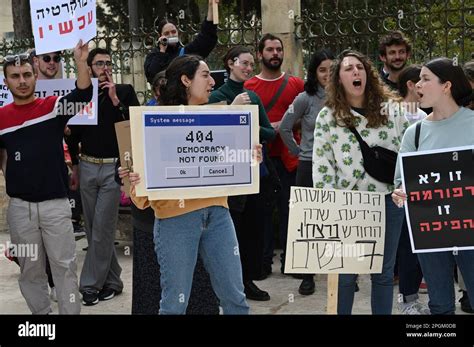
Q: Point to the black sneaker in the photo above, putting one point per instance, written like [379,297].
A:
[90,298]
[108,293]
[465,303]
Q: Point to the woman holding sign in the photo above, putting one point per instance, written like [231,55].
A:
[185,229]
[445,88]
[354,118]
[246,210]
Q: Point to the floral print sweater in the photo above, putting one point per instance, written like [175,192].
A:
[337,158]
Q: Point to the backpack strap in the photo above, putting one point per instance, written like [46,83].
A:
[277,94]
[417,134]
[181,51]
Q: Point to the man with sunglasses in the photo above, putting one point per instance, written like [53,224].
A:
[100,193]
[47,64]
[39,213]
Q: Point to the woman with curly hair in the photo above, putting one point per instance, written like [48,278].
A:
[356,103]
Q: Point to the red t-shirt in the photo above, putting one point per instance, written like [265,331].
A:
[265,90]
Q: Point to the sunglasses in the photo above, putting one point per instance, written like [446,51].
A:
[100,64]
[47,58]
[17,58]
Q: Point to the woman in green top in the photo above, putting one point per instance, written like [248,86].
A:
[246,211]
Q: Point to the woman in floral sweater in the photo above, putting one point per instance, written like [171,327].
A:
[356,98]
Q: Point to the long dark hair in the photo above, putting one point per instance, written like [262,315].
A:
[409,73]
[163,22]
[173,91]
[446,70]
[312,85]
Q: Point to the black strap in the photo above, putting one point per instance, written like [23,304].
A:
[361,141]
[277,94]
[417,134]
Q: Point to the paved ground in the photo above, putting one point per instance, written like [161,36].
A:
[283,290]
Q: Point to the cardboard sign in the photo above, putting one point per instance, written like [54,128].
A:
[122,131]
[440,198]
[60,24]
[185,152]
[335,231]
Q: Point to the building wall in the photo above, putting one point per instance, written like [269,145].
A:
[6,17]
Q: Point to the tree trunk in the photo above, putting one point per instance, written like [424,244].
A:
[21,19]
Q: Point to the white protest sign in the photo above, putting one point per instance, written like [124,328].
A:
[60,24]
[335,231]
[186,152]
[86,115]
[5,96]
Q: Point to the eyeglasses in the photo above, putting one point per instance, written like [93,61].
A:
[100,64]
[47,58]
[17,58]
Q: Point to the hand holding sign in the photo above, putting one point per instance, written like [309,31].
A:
[81,52]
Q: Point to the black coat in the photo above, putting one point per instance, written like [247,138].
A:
[202,45]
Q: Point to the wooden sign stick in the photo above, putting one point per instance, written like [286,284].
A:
[333,282]
[215,12]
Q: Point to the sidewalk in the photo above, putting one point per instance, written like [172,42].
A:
[283,290]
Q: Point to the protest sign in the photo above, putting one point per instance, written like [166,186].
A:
[335,231]
[88,114]
[440,198]
[5,96]
[60,24]
[184,152]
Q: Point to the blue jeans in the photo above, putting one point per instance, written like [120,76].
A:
[382,284]
[438,273]
[178,241]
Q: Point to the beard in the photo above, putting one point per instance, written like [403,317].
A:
[22,96]
[270,66]
[395,68]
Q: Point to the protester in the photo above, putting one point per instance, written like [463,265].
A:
[394,52]
[445,88]
[305,109]
[169,46]
[100,193]
[246,210]
[277,90]
[355,99]
[39,213]
[185,228]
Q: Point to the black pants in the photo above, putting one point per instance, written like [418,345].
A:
[249,228]
[146,292]
[287,180]
[409,270]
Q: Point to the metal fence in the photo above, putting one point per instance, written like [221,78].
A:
[436,28]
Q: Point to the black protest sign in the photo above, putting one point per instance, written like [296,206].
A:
[440,198]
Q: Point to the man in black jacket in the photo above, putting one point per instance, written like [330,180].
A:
[159,58]
[39,213]
[100,194]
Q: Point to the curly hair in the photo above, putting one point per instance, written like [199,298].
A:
[173,91]
[376,93]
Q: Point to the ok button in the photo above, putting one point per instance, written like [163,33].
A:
[182,172]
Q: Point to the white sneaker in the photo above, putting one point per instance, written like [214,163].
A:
[413,308]
[53,295]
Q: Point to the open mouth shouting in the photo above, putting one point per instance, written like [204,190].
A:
[357,83]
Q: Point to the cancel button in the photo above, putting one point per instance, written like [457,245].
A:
[218,171]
